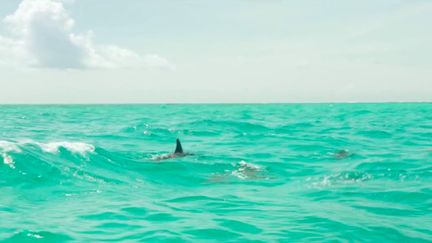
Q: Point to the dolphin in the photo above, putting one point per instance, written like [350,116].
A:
[178,152]
[342,154]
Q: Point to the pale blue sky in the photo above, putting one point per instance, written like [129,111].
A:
[139,51]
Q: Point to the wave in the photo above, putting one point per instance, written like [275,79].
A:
[7,146]
[50,147]
[77,162]
[29,162]
[75,147]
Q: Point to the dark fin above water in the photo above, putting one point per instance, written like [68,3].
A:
[178,149]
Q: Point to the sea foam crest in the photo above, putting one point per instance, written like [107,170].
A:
[6,146]
[75,147]
[50,147]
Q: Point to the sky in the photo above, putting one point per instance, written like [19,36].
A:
[207,51]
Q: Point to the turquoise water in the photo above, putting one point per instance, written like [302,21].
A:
[261,173]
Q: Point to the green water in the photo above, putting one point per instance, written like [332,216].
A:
[259,173]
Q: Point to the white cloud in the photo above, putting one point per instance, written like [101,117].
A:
[42,36]
[12,52]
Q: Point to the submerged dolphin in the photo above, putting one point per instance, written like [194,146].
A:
[178,152]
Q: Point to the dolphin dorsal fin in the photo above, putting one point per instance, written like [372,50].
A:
[178,149]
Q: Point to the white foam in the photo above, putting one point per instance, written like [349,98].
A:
[74,147]
[7,160]
[339,178]
[245,165]
[34,235]
[246,170]
[6,146]
[239,175]
[53,147]
[325,182]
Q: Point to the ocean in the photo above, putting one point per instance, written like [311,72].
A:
[258,173]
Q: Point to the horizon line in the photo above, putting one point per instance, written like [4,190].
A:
[221,103]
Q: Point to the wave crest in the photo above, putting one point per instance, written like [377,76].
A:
[6,146]
[50,147]
[74,147]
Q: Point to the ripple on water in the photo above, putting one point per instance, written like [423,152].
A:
[212,233]
[162,217]
[42,236]
[105,216]
[239,226]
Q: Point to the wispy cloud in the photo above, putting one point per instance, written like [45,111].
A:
[41,35]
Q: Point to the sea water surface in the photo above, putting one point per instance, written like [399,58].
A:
[259,173]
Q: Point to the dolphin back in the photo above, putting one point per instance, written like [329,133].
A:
[178,149]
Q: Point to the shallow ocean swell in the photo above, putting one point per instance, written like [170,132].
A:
[261,173]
